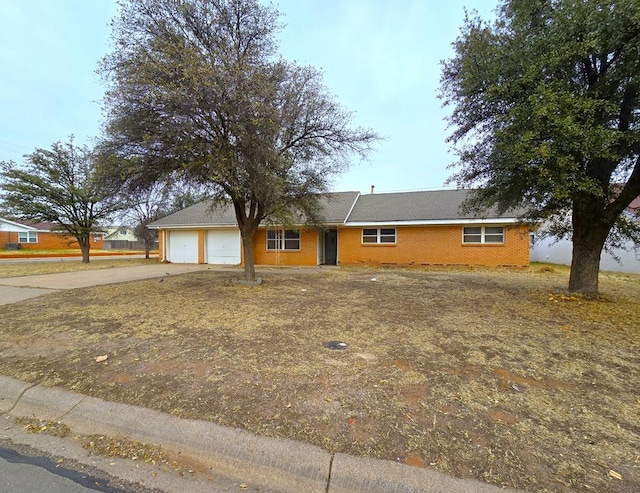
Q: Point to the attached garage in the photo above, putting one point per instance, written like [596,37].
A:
[223,246]
[182,247]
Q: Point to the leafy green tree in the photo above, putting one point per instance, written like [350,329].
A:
[545,113]
[197,90]
[62,186]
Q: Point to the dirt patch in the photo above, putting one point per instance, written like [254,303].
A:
[489,374]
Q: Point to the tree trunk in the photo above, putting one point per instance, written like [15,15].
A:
[85,245]
[589,236]
[147,248]
[247,248]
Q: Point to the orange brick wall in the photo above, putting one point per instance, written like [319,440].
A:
[47,241]
[307,255]
[161,234]
[201,235]
[415,245]
[433,245]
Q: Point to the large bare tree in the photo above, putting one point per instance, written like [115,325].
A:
[196,89]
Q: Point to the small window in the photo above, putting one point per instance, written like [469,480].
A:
[369,236]
[483,234]
[472,235]
[27,237]
[382,235]
[279,239]
[494,235]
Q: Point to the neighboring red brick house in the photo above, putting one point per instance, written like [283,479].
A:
[413,228]
[38,236]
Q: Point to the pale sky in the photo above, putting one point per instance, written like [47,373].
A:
[381,60]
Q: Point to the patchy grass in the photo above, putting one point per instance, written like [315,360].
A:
[492,374]
[31,268]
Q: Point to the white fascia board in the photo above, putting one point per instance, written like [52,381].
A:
[20,227]
[433,222]
[194,226]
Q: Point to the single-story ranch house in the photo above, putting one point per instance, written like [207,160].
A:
[411,228]
[38,236]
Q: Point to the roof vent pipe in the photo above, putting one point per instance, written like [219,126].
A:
[372,188]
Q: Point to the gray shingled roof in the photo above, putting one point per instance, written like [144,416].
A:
[413,206]
[199,214]
[336,207]
[439,205]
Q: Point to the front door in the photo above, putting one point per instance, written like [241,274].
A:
[330,246]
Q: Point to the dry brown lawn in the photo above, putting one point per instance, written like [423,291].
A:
[488,374]
[19,268]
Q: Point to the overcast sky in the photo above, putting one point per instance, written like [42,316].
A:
[381,60]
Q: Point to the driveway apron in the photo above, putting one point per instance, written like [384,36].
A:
[14,289]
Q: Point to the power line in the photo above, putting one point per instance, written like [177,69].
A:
[11,150]
[13,145]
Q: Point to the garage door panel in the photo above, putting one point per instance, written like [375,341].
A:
[183,247]
[223,246]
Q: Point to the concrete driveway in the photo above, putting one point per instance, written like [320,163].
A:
[14,289]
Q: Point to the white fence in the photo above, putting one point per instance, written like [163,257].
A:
[560,253]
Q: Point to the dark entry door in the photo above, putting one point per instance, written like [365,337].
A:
[330,246]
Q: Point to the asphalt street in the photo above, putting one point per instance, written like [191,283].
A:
[35,472]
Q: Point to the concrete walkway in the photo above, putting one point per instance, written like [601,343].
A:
[14,289]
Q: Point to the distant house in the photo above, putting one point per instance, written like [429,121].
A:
[412,228]
[625,259]
[38,236]
[123,238]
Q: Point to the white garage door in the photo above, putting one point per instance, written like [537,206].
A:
[183,247]
[223,246]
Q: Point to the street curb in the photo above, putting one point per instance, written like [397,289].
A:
[283,465]
[351,474]
[277,464]
[10,392]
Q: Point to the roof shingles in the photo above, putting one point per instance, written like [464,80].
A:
[413,206]
[349,207]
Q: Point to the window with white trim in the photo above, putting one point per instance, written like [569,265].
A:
[483,234]
[27,237]
[283,239]
[379,235]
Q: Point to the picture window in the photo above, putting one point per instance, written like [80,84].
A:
[283,239]
[27,237]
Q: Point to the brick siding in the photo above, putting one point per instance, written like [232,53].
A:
[415,245]
[307,255]
[433,245]
[47,241]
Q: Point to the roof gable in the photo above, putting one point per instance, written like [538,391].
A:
[6,225]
